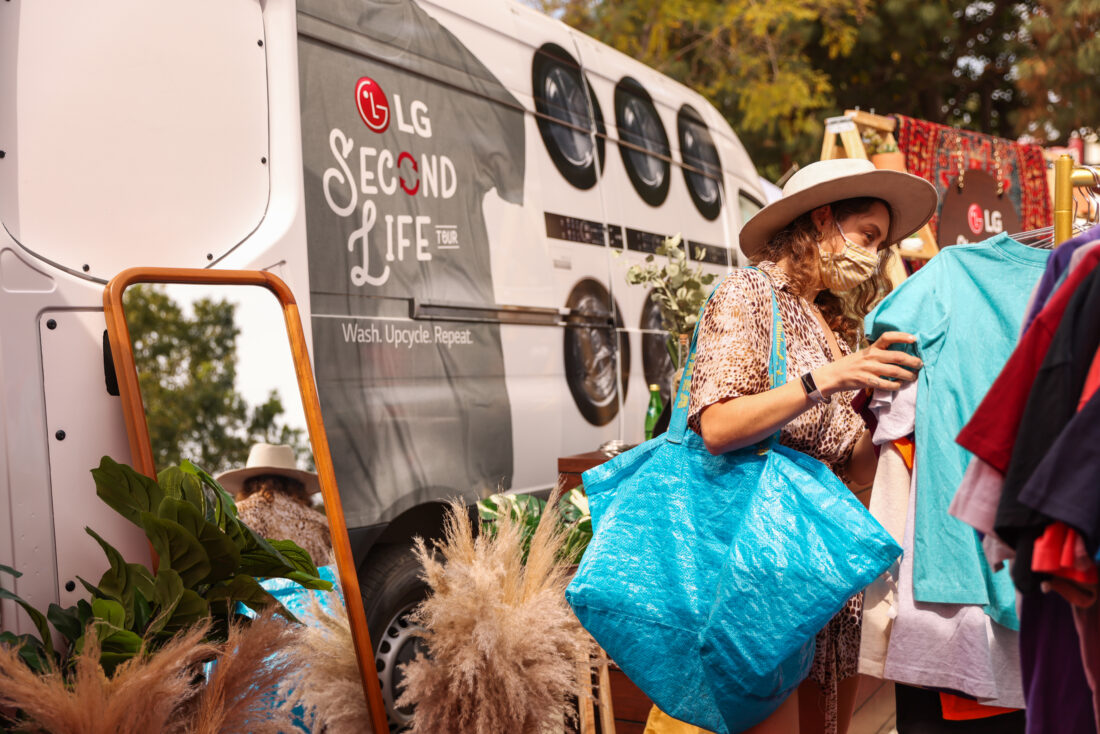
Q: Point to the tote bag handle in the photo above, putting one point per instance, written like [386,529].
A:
[777,367]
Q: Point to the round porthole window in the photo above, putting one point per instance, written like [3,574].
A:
[566,106]
[656,361]
[702,169]
[594,343]
[642,141]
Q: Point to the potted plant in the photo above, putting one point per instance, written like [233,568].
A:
[883,151]
[678,289]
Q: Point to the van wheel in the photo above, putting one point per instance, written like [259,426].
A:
[391,589]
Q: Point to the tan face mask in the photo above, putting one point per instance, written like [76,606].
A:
[843,271]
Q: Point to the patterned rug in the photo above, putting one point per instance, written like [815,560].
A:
[935,153]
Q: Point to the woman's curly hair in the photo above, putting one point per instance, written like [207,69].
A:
[799,241]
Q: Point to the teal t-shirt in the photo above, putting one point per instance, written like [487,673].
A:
[965,308]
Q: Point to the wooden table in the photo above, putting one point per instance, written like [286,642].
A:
[570,468]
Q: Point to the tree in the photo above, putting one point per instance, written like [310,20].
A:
[187,369]
[1060,73]
[751,59]
[952,62]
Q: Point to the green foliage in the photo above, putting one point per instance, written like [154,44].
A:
[679,290]
[527,510]
[954,62]
[1059,75]
[208,561]
[187,369]
[874,143]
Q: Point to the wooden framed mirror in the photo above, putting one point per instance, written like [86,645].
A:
[175,330]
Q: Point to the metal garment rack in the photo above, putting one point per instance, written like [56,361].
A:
[1067,177]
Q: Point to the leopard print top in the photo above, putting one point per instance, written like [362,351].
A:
[733,351]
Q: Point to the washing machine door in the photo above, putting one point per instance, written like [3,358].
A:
[567,114]
[594,343]
[702,168]
[646,150]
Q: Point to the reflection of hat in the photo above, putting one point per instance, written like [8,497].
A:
[911,199]
[266,458]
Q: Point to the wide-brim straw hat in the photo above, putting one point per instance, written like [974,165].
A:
[911,199]
[266,458]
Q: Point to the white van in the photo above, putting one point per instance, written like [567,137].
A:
[452,190]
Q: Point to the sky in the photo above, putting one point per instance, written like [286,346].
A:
[263,349]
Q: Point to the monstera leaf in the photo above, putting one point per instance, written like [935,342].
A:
[208,561]
[126,491]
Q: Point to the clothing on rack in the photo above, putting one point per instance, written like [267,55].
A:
[1059,700]
[1039,425]
[920,711]
[935,152]
[949,646]
[991,431]
[965,309]
[1056,268]
[1051,405]
[889,505]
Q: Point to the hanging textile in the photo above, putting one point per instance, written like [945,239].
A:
[966,296]
[936,153]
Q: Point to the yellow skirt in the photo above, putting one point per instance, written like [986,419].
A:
[661,723]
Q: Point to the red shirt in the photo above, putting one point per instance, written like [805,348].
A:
[991,432]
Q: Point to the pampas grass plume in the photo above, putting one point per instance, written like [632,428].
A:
[325,679]
[144,695]
[240,694]
[502,642]
[158,691]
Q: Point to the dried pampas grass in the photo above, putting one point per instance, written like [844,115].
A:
[240,695]
[325,679]
[159,691]
[502,642]
[145,694]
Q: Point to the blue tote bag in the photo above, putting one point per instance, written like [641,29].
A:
[708,577]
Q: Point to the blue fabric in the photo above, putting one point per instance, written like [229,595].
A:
[296,600]
[1056,269]
[707,577]
[965,308]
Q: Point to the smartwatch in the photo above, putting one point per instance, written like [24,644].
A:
[812,391]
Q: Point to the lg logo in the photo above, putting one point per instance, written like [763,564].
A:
[980,220]
[374,108]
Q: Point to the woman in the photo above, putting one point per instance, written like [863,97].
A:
[273,498]
[828,234]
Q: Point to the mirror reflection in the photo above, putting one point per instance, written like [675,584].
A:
[218,383]
[219,389]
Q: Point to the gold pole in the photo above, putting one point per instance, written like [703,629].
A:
[1063,199]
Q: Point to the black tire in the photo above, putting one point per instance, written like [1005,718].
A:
[391,587]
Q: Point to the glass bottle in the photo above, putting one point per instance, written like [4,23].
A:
[653,412]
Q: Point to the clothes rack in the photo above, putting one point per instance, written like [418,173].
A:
[1067,177]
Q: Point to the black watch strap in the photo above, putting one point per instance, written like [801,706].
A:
[812,391]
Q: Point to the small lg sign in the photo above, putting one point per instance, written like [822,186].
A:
[975,212]
[374,108]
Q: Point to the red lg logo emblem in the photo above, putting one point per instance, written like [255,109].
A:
[374,108]
[974,218]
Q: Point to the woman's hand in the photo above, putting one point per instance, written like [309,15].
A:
[876,367]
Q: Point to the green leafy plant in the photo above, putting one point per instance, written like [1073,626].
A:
[207,561]
[678,290]
[527,511]
[874,142]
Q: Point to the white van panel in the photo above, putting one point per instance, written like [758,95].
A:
[78,404]
[132,134]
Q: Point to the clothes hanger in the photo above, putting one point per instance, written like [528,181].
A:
[1043,238]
